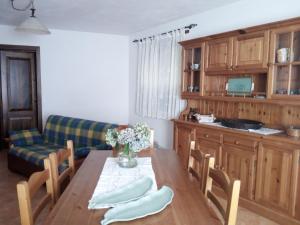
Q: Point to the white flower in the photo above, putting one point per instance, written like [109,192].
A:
[137,138]
[142,131]
[138,145]
[126,136]
[111,137]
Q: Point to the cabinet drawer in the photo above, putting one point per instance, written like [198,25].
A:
[212,148]
[239,142]
[208,135]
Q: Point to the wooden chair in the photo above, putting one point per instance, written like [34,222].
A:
[197,165]
[231,189]
[56,159]
[152,138]
[26,190]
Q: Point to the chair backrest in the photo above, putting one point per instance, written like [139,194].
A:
[27,189]
[231,189]
[152,138]
[60,158]
[197,165]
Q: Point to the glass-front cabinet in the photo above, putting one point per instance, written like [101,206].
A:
[285,62]
[192,70]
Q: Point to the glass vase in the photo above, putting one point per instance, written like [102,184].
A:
[127,158]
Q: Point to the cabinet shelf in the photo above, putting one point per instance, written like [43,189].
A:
[189,70]
[279,100]
[294,63]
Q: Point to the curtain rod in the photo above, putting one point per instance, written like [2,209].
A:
[188,28]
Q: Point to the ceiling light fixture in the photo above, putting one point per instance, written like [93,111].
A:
[32,24]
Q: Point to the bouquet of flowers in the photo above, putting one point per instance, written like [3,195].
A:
[133,138]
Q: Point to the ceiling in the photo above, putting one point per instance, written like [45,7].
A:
[106,16]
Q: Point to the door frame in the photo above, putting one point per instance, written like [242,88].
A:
[36,51]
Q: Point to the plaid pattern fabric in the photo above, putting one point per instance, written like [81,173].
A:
[26,137]
[84,133]
[35,153]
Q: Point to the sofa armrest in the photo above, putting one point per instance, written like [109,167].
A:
[8,141]
[121,127]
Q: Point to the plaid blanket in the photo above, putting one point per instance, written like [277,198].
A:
[86,135]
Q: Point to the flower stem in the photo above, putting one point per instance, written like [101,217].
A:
[126,149]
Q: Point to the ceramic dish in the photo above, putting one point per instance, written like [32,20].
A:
[124,194]
[150,204]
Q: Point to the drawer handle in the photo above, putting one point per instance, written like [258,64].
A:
[236,142]
[206,135]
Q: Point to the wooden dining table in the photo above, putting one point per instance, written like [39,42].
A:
[189,206]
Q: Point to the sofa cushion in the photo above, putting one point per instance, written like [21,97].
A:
[59,129]
[26,137]
[35,153]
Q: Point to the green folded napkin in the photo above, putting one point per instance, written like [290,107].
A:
[132,191]
[150,204]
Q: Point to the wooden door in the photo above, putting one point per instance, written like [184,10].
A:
[19,91]
[183,137]
[219,54]
[277,172]
[240,164]
[251,51]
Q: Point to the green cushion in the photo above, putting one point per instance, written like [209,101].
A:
[26,137]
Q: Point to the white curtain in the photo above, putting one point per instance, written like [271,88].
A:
[159,76]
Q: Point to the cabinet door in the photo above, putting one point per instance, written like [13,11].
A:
[219,54]
[240,164]
[277,171]
[251,51]
[284,70]
[183,138]
[212,148]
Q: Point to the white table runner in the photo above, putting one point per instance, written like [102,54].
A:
[113,176]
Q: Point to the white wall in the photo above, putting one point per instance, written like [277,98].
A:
[234,16]
[84,75]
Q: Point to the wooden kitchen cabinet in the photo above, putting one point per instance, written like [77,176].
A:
[240,164]
[245,51]
[277,175]
[284,79]
[192,63]
[218,55]
[183,135]
[251,51]
[268,166]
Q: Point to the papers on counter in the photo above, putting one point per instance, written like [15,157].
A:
[261,131]
[266,131]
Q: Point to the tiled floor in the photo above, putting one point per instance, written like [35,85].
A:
[9,211]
